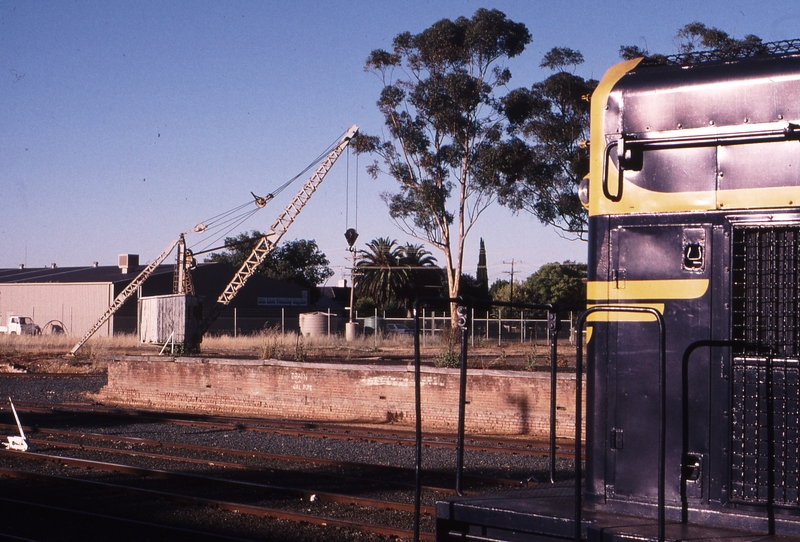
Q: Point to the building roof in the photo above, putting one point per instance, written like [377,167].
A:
[105,273]
[210,279]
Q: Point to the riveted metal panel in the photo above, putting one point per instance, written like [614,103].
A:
[765,381]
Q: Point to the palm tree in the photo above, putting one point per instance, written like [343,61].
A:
[424,277]
[380,273]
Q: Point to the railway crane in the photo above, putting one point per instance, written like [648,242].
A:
[270,239]
[263,247]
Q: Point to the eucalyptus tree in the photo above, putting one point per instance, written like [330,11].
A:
[696,36]
[442,109]
[539,172]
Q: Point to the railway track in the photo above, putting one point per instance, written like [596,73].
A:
[249,459]
[239,491]
[371,432]
[137,484]
[135,475]
[87,484]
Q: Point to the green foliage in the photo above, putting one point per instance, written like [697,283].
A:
[448,357]
[298,262]
[533,360]
[501,291]
[558,283]
[272,347]
[380,275]
[300,352]
[365,305]
[482,275]
[394,275]
[540,171]
[472,288]
[697,36]
[496,288]
[560,58]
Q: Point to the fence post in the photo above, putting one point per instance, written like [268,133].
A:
[283,323]
[472,327]
[499,326]
[424,338]
[234,322]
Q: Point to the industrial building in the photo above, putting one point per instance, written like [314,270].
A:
[74,298]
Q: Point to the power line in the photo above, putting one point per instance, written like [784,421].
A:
[511,294]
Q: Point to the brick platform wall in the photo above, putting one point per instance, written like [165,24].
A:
[499,402]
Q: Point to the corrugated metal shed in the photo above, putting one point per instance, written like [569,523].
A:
[75,296]
[176,316]
[76,306]
[78,296]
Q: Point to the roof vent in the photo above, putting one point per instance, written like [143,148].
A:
[22,266]
[128,261]
[53,266]
[95,264]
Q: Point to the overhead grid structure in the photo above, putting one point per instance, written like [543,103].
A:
[220,226]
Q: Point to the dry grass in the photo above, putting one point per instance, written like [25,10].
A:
[48,353]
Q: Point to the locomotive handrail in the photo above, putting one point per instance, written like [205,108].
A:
[604,183]
[469,303]
[670,139]
[662,436]
[687,353]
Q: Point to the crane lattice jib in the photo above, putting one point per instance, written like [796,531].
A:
[124,295]
[273,236]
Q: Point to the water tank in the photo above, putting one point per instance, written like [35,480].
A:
[315,324]
[372,324]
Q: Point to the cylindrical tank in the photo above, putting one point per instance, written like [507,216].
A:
[372,324]
[316,324]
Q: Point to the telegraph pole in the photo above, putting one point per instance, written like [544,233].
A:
[511,294]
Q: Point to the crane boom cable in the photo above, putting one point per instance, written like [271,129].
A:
[230,218]
[270,239]
[224,219]
[231,225]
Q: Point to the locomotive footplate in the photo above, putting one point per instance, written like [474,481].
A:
[546,513]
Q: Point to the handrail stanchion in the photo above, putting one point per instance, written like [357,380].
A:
[464,303]
[462,399]
[418,424]
[553,325]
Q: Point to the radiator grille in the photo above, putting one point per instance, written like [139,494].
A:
[765,445]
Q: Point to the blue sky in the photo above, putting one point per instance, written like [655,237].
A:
[123,124]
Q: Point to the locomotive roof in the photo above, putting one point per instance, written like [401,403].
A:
[749,90]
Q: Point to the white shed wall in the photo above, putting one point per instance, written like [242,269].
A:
[165,316]
[77,305]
